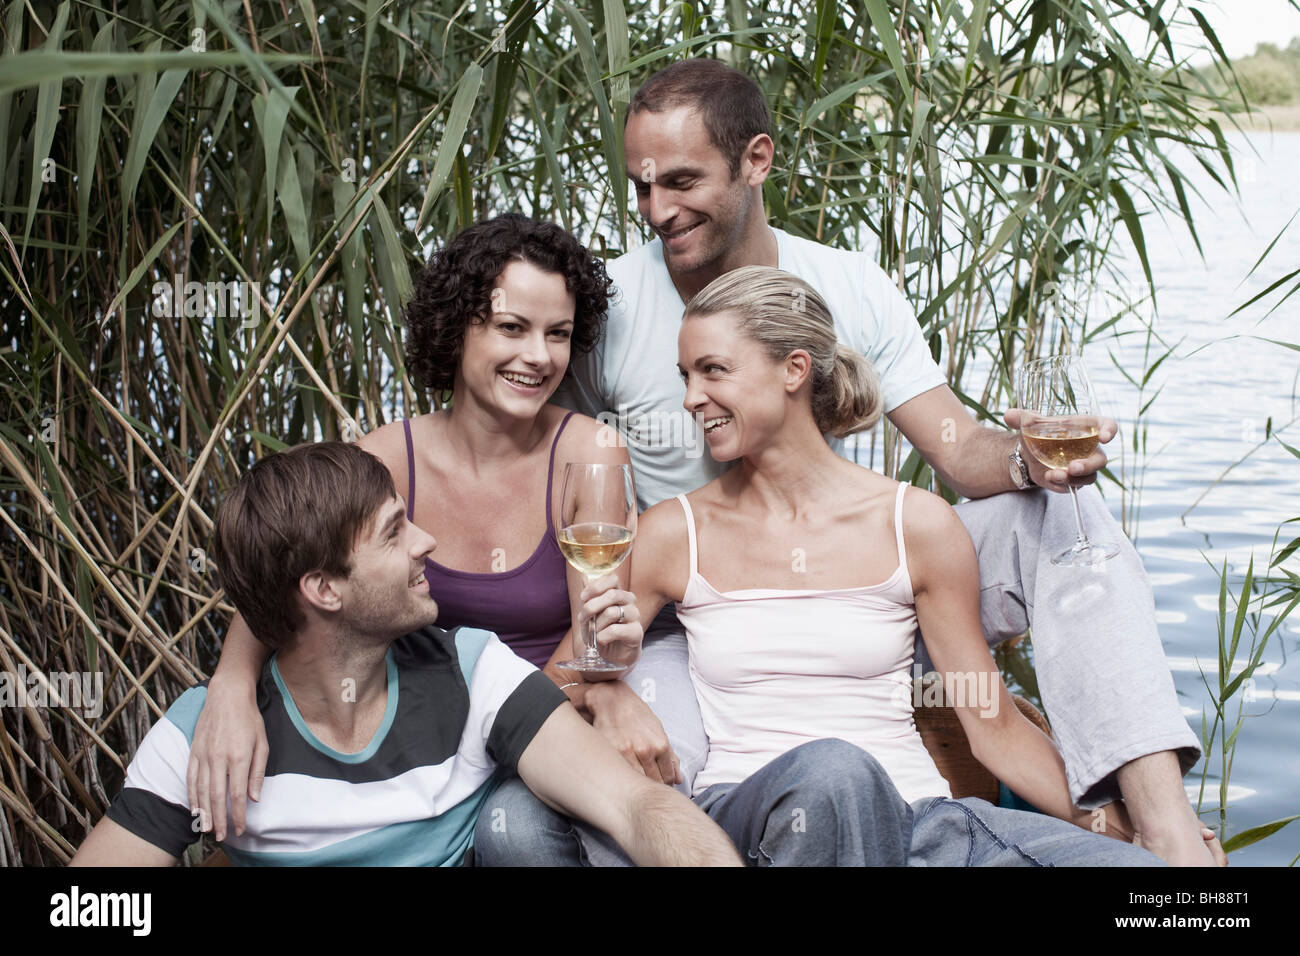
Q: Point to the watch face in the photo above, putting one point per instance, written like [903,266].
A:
[1019,472]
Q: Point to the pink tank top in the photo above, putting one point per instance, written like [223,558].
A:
[776,668]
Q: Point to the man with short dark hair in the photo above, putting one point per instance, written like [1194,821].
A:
[385,732]
[698,148]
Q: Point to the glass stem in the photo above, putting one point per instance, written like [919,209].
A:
[589,635]
[1082,540]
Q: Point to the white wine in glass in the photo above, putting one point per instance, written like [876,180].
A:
[1060,423]
[595,548]
[594,528]
[1057,443]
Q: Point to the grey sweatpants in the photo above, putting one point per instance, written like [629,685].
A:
[1101,669]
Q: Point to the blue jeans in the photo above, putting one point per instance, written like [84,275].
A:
[515,828]
[825,803]
[973,832]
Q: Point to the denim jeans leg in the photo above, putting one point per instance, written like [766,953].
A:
[515,828]
[825,803]
[973,832]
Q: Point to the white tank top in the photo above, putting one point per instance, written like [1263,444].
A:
[776,668]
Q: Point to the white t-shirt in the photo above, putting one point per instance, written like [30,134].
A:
[630,379]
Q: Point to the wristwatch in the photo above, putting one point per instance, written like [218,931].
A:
[1020,471]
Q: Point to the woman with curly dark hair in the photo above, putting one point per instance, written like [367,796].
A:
[495,319]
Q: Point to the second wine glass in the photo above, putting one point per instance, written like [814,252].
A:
[1060,422]
[595,527]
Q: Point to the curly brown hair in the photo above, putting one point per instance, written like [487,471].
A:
[454,290]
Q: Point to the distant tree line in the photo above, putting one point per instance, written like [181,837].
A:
[1271,75]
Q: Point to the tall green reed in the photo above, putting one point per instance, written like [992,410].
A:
[1234,685]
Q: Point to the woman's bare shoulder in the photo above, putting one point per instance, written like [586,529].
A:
[385,438]
[661,531]
[662,523]
[935,536]
[926,513]
[660,559]
[587,440]
[388,444]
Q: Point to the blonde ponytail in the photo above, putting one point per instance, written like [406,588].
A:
[855,401]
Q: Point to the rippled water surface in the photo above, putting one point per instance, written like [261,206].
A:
[1206,486]
[1220,388]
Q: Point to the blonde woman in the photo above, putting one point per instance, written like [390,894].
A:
[802,581]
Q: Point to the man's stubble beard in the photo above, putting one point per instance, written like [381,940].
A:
[370,620]
[730,234]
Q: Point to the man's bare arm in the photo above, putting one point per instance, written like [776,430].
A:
[571,768]
[111,844]
[974,460]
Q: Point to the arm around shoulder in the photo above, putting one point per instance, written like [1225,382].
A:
[230,737]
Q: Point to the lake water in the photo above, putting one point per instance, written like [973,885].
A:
[1218,391]
[1220,388]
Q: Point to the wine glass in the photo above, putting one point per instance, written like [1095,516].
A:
[595,527]
[1059,421]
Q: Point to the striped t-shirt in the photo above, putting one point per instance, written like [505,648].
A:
[460,705]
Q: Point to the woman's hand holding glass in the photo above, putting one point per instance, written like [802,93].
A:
[595,527]
[613,614]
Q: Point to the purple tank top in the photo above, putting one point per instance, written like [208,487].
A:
[526,607]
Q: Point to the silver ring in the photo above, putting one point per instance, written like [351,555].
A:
[621,613]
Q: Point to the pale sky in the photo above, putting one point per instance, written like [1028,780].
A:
[1239,24]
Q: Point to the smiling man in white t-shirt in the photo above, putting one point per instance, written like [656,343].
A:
[698,150]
